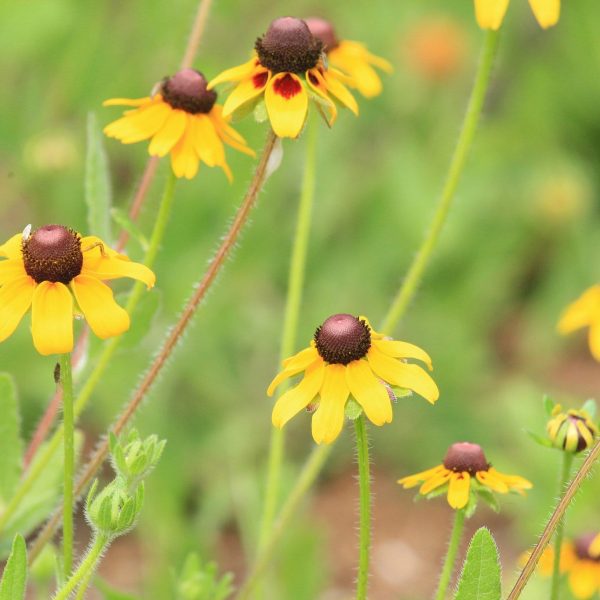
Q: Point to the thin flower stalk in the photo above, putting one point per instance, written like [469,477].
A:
[450,560]
[364,483]
[175,334]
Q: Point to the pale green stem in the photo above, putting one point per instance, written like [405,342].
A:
[290,324]
[463,146]
[364,483]
[453,545]
[66,382]
[560,528]
[86,568]
[41,460]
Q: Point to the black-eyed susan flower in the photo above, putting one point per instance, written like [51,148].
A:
[347,359]
[53,269]
[490,13]
[465,470]
[286,71]
[584,312]
[572,431]
[351,58]
[183,119]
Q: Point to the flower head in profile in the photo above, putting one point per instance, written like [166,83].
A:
[56,272]
[348,359]
[490,13]
[183,119]
[571,431]
[584,312]
[464,471]
[286,71]
[351,58]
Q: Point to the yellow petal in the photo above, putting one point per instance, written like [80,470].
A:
[494,483]
[339,90]
[354,60]
[169,134]
[369,392]
[294,400]
[515,482]
[287,104]
[435,481]
[246,91]
[139,124]
[583,579]
[127,101]
[12,248]
[15,300]
[317,84]
[292,369]
[302,359]
[328,420]
[105,317]
[490,13]
[397,349]
[581,312]
[458,490]
[412,480]
[207,143]
[594,548]
[11,269]
[235,73]
[52,318]
[184,160]
[395,372]
[547,12]
[594,338]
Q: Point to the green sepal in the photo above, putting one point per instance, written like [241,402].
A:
[538,439]
[471,506]
[260,112]
[549,404]
[401,392]
[590,407]
[489,498]
[353,409]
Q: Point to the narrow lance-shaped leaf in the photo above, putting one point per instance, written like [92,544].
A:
[14,579]
[11,445]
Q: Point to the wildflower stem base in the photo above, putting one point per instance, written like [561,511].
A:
[453,545]
[364,482]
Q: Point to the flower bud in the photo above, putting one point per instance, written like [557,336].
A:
[136,458]
[571,431]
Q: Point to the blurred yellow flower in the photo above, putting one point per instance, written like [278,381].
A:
[351,58]
[347,358]
[286,70]
[490,13]
[584,312]
[45,269]
[181,119]
[465,466]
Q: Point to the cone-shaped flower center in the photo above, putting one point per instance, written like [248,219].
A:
[323,30]
[187,91]
[288,46]
[53,253]
[343,338]
[582,547]
[464,456]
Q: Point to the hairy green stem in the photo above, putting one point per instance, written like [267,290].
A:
[463,146]
[66,382]
[453,545]
[290,324]
[567,461]
[364,483]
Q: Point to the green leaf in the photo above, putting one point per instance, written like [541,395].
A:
[538,439]
[11,445]
[590,408]
[489,498]
[549,404]
[110,593]
[353,409]
[14,578]
[121,218]
[480,577]
[98,194]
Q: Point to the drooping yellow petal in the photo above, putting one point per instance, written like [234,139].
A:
[235,73]
[207,144]
[292,369]
[458,490]
[581,312]
[490,13]
[397,349]
[395,372]
[184,160]
[594,338]
[339,90]
[435,481]
[328,420]
[11,269]
[104,263]
[369,392]
[302,359]
[354,60]
[227,133]
[245,91]
[15,300]
[169,134]
[412,480]
[294,400]
[317,84]
[594,548]
[286,100]
[583,579]
[52,318]
[127,101]
[547,12]
[12,248]
[140,124]
[494,483]
[515,482]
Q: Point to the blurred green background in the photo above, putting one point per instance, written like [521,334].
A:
[521,243]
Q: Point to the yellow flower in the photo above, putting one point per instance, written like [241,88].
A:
[46,269]
[490,13]
[465,466]
[182,119]
[576,560]
[572,431]
[352,58]
[584,312]
[347,358]
[287,70]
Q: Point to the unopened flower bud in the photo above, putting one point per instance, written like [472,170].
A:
[136,458]
[571,431]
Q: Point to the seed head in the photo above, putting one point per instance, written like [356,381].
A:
[464,456]
[343,338]
[186,90]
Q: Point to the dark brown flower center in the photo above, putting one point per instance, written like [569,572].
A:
[342,339]
[323,30]
[288,47]
[464,456]
[187,91]
[582,546]
[53,253]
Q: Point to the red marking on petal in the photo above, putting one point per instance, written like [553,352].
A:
[313,79]
[287,87]
[260,79]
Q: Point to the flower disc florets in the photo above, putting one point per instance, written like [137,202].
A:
[582,547]
[53,253]
[288,47]
[186,90]
[464,456]
[323,30]
[343,338]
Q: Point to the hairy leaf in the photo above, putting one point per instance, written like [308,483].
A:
[14,579]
